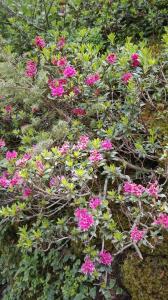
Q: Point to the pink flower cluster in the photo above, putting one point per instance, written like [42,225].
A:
[162,220]
[11,155]
[106,144]
[31,68]
[95,156]
[69,72]
[135,60]
[153,189]
[62,62]
[126,77]
[85,219]
[79,111]
[83,142]
[133,189]
[136,234]
[65,148]
[111,58]
[105,258]
[95,202]
[2,143]
[22,161]
[88,266]
[137,189]
[8,109]
[92,79]
[6,182]
[56,87]
[39,42]
[27,192]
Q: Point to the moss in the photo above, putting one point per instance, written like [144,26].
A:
[147,279]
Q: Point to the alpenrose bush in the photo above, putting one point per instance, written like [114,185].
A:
[93,194]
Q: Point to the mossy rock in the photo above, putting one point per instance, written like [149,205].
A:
[147,279]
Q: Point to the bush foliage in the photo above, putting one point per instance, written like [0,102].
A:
[83,145]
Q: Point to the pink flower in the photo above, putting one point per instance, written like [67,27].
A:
[69,72]
[61,42]
[79,111]
[92,79]
[83,142]
[57,91]
[106,144]
[162,220]
[88,266]
[126,77]
[105,258]
[134,56]
[11,155]
[16,180]
[27,192]
[2,143]
[135,60]
[133,188]
[65,148]
[95,202]
[95,156]
[31,68]
[111,58]
[62,62]
[85,220]
[136,234]
[80,212]
[153,189]
[39,42]
[23,160]
[4,182]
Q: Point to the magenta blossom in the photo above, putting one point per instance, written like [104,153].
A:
[57,91]
[8,108]
[31,68]
[133,189]
[153,189]
[64,148]
[95,202]
[162,220]
[126,77]
[62,62]
[85,219]
[92,79]
[88,266]
[16,180]
[27,192]
[95,156]
[135,60]
[135,56]
[136,234]
[39,42]
[106,144]
[11,155]
[105,258]
[4,182]
[83,142]
[2,143]
[69,72]
[111,58]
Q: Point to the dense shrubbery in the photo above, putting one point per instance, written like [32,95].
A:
[83,149]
